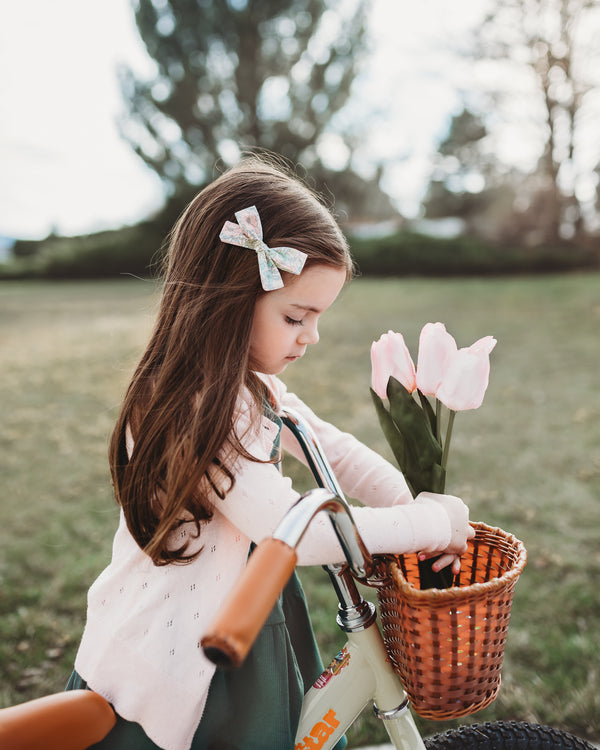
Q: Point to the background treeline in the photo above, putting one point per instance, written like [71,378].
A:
[284,77]
[137,251]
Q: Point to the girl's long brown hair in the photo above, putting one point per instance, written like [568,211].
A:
[180,405]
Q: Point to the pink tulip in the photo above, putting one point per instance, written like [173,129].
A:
[436,349]
[467,376]
[390,357]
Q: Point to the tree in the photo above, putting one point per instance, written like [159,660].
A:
[461,171]
[550,49]
[467,181]
[238,75]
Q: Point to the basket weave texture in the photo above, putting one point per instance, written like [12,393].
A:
[447,645]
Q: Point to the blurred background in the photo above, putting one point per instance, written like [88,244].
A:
[458,144]
[475,118]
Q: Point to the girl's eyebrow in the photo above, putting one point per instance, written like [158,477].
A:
[308,308]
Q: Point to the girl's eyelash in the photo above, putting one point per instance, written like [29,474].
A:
[292,321]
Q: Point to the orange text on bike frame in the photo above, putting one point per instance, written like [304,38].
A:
[320,733]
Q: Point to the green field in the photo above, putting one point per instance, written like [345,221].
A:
[528,461]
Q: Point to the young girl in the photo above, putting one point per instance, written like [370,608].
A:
[253,263]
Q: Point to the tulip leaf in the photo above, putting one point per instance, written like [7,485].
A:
[422,452]
[438,479]
[423,480]
[408,432]
[428,409]
[390,431]
[413,422]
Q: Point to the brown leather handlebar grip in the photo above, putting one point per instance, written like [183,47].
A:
[245,610]
[72,720]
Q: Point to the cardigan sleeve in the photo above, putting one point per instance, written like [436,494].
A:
[261,496]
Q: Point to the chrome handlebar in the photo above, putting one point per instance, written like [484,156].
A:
[329,498]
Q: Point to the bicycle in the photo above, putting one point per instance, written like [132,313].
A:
[361,672]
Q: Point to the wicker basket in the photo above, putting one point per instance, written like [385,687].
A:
[447,645]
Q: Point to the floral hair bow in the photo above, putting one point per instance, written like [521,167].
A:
[248,233]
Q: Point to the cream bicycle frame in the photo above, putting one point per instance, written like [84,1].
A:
[364,675]
[361,672]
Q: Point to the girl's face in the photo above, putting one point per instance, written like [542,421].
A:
[285,320]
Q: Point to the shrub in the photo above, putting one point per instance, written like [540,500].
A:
[408,253]
[136,251]
[128,251]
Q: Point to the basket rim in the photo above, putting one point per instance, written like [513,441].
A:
[459,592]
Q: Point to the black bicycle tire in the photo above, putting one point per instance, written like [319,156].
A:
[510,735]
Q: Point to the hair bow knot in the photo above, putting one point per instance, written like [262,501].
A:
[248,233]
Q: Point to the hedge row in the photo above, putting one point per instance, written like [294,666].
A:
[137,251]
[128,251]
[407,253]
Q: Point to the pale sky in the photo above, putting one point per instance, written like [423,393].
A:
[63,165]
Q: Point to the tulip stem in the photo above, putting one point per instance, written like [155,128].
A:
[438,421]
[451,415]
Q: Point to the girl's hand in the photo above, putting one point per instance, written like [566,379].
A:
[460,530]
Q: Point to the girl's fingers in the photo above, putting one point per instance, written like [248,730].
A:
[443,562]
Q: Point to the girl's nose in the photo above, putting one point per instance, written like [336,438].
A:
[308,335]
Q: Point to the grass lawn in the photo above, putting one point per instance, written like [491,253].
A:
[528,460]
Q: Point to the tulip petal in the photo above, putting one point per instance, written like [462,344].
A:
[466,380]
[486,344]
[379,374]
[390,358]
[436,348]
